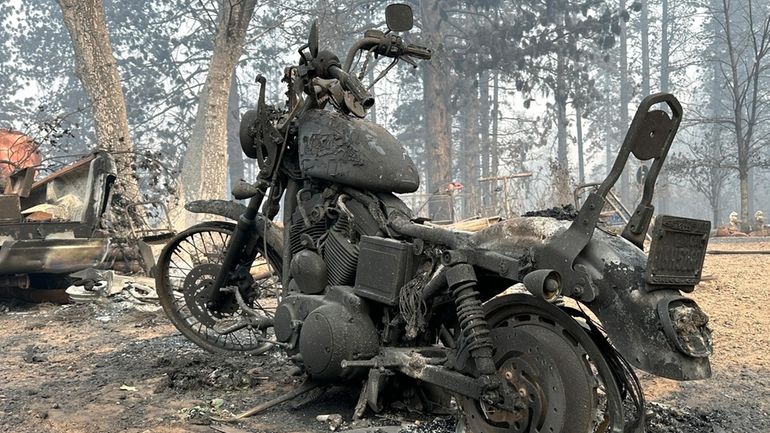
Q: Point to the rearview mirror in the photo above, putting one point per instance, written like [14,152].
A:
[399,17]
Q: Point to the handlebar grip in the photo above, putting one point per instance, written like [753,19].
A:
[350,83]
[418,51]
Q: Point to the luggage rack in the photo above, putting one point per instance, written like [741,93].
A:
[612,200]
[649,138]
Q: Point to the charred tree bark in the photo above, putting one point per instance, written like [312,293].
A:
[437,123]
[495,120]
[471,145]
[234,153]
[204,168]
[561,117]
[484,124]
[97,69]
[624,100]
[664,46]
[716,178]
[560,95]
[644,29]
[579,126]
[561,171]
[644,24]
[607,130]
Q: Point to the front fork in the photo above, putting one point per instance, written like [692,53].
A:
[237,252]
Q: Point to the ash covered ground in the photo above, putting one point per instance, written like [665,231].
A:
[109,367]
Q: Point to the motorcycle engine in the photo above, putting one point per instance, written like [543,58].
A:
[340,329]
[321,317]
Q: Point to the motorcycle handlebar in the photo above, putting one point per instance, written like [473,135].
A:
[350,83]
[369,42]
[418,52]
[364,43]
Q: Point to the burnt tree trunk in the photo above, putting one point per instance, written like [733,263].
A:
[471,145]
[561,115]
[495,121]
[204,168]
[234,152]
[485,147]
[716,111]
[581,159]
[437,123]
[607,133]
[624,100]
[644,29]
[644,24]
[97,69]
[664,46]
[561,171]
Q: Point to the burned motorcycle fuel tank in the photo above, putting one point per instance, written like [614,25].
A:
[354,152]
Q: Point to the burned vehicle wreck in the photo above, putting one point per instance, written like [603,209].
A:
[54,226]
[354,288]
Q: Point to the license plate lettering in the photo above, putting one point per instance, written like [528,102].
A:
[677,251]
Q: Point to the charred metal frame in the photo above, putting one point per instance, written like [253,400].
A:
[649,137]
[62,247]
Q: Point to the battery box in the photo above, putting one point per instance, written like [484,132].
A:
[384,266]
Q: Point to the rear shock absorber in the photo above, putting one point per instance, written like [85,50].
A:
[462,282]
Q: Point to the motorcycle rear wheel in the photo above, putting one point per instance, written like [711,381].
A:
[554,365]
[187,267]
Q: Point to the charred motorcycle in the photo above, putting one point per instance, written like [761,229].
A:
[356,289]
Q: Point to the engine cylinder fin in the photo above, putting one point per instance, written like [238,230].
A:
[342,225]
[315,231]
[341,259]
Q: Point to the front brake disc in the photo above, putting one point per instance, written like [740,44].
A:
[199,294]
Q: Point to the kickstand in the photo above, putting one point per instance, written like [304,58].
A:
[306,386]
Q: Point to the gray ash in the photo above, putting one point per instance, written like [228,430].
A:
[438,425]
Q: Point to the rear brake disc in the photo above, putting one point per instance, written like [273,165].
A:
[548,359]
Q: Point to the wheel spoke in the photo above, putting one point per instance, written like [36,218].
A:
[187,265]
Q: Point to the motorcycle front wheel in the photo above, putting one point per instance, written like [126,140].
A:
[186,270]
[554,365]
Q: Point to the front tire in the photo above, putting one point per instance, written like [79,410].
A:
[186,269]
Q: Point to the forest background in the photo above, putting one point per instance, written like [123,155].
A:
[546,87]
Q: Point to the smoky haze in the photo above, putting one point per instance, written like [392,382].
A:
[521,103]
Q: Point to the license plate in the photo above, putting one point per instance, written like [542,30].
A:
[677,251]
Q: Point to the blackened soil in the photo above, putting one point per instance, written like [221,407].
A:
[109,368]
[662,418]
[566,212]
[98,368]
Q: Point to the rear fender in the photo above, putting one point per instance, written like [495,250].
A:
[655,328]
